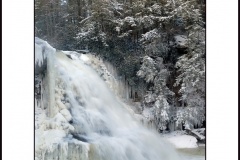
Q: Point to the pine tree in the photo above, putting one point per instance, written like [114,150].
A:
[191,67]
[157,74]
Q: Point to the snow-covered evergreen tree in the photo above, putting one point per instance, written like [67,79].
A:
[191,67]
[156,73]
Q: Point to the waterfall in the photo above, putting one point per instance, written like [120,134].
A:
[122,88]
[84,119]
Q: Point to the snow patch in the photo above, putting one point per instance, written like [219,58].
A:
[183,141]
[84,58]
[74,55]
[181,41]
[180,140]
[148,113]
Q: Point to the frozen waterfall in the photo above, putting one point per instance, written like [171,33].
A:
[77,117]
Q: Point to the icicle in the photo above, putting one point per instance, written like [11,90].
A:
[51,82]
[41,93]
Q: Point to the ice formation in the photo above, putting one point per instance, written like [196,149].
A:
[77,116]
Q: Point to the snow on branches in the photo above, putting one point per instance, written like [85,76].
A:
[158,96]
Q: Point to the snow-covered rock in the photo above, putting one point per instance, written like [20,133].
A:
[181,41]
[183,141]
[180,140]
[199,134]
[72,54]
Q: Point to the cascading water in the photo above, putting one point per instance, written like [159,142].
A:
[88,122]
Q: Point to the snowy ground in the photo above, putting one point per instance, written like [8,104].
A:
[180,140]
[186,145]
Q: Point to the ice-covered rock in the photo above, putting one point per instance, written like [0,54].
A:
[66,114]
[42,50]
[61,106]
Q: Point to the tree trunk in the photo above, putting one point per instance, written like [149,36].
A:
[79,9]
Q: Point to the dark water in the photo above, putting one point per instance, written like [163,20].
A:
[192,153]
